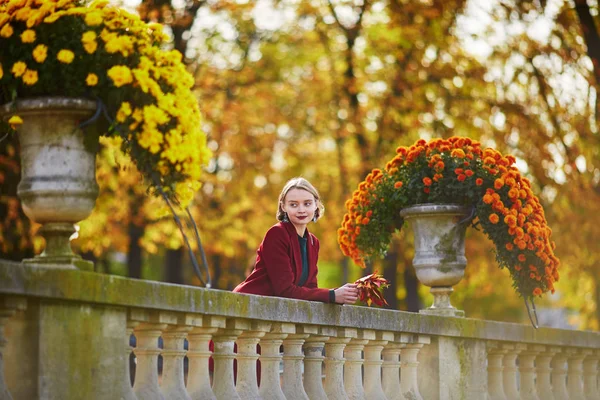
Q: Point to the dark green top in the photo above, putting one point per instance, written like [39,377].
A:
[304,252]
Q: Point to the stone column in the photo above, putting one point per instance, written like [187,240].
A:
[409,365]
[147,351]
[495,368]
[128,393]
[224,339]
[247,385]
[173,385]
[353,379]
[313,363]
[590,376]
[270,358]
[373,362]
[527,372]
[8,306]
[198,382]
[390,370]
[575,374]
[543,370]
[559,376]
[510,369]
[334,363]
[292,385]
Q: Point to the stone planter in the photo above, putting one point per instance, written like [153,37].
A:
[58,173]
[439,261]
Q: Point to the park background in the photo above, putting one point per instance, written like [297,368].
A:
[327,90]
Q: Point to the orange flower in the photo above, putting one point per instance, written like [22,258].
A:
[494,218]
[427,181]
[365,221]
[479,181]
[439,165]
[537,291]
[458,171]
[469,172]
[510,220]
[398,185]
[522,257]
[488,199]
[509,246]
[458,153]
[498,183]
[461,177]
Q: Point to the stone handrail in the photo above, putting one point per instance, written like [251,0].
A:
[65,334]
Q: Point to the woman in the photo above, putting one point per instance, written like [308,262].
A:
[286,261]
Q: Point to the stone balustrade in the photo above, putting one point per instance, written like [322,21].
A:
[65,334]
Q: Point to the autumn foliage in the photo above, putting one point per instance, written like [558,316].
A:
[370,289]
[456,171]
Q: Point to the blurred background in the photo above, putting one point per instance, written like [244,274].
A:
[327,90]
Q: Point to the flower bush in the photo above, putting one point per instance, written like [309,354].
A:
[458,171]
[67,48]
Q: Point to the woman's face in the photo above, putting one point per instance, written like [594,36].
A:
[300,206]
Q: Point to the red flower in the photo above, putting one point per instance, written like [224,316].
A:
[427,181]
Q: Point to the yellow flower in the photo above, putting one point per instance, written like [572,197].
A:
[93,18]
[91,80]
[124,112]
[89,36]
[90,47]
[150,139]
[30,77]
[40,53]
[6,31]
[15,121]
[65,56]
[19,68]
[120,75]
[4,17]
[23,14]
[28,36]
[1,71]
[54,17]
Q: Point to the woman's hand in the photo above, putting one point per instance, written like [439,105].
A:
[347,294]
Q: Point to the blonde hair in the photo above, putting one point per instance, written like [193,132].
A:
[300,183]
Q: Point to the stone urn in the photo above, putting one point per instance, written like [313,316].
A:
[439,261]
[58,171]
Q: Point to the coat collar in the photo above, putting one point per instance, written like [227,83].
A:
[296,253]
[291,229]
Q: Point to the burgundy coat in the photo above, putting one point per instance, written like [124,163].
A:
[278,266]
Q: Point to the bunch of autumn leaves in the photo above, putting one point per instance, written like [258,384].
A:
[67,48]
[456,171]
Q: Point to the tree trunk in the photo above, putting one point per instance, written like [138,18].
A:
[390,265]
[134,255]
[174,266]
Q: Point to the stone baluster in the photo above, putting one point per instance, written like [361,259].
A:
[590,377]
[543,370]
[353,380]
[390,370]
[173,384]
[8,307]
[409,365]
[292,385]
[334,363]
[509,372]
[575,375]
[373,362]
[270,358]
[198,382]
[247,385]
[559,376]
[313,363]
[495,354]
[224,339]
[528,390]
[128,393]
[146,351]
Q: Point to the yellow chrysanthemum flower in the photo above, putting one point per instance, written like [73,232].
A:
[150,139]
[1,71]
[65,56]
[124,112]
[93,18]
[91,80]
[19,68]
[4,17]
[90,47]
[30,77]
[89,36]
[120,75]
[40,53]
[28,36]
[6,31]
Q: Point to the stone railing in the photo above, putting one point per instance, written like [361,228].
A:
[65,334]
